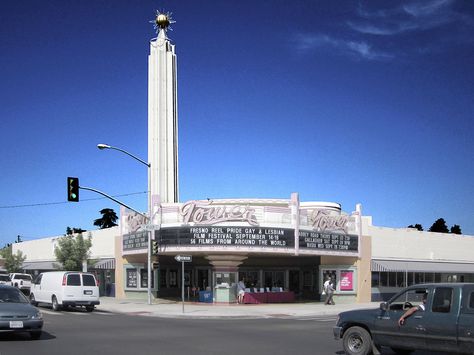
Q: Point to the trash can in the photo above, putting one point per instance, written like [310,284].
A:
[205,296]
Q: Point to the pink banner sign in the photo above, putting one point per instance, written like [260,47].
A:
[346,283]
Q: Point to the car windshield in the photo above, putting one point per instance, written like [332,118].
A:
[4,278]
[23,277]
[12,295]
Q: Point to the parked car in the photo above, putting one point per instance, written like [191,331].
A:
[21,281]
[5,279]
[17,315]
[64,289]
[446,324]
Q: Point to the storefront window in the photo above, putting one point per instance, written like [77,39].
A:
[343,279]
[401,278]
[419,278]
[307,279]
[173,278]
[375,279]
[144,278]
[132,278]
[392,279]
[250,278]
[274,279]
[429,277]
[163,278]
[384,279]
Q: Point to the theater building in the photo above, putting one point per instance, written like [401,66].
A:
[274,245]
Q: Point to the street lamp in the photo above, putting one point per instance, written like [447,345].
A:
[102,146]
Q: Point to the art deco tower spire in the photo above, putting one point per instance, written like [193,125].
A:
[163,113]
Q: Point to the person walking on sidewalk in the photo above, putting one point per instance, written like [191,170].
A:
[329,289]
[241,291]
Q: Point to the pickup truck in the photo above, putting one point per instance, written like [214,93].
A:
[446,324]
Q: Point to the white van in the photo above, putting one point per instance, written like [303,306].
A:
[65,288]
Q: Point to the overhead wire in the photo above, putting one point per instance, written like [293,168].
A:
[63,202]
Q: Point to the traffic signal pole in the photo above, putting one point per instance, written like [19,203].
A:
[113,199]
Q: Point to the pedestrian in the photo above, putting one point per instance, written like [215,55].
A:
[241,291]
[330,288]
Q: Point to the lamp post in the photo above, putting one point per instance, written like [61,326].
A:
[102,146]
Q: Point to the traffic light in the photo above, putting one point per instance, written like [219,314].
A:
[154,247]
[73,189]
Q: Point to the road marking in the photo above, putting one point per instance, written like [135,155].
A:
[51,312]
[318,319]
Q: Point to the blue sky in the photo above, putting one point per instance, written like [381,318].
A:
[349,102]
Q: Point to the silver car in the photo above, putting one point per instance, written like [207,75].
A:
[17,315]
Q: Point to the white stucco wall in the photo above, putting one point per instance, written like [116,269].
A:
[43,249]
[409,243]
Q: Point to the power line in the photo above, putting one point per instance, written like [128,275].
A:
[63,202]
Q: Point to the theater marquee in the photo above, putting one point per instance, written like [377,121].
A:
[201,225]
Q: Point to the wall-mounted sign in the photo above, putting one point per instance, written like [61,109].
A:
[346,283]
[255,237]
[135,241]
[208,214]
[328,241]
[324,221]
[227,236]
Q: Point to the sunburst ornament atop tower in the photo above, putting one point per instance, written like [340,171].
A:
[162,21]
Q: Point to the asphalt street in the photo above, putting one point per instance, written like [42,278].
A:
[107,333]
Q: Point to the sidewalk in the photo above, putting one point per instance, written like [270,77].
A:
[174,309]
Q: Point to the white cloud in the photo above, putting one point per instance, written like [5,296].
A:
[376,34]
[427,8]
[419,15]
[359,49]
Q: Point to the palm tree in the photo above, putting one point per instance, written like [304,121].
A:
[109,217]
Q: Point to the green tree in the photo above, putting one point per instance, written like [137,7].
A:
[13,262]
[72,250]
[416,226]
[456,229]
[439,226]
[108,219]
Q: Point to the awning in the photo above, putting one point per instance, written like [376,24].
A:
[41,265]
[422,266]
[108,264]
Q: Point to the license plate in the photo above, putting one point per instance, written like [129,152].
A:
[16,324]
[88,292]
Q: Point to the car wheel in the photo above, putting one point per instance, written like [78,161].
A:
[89,308]
[56,306]
[402,351]
[33,300]
[35,335]
[357,341]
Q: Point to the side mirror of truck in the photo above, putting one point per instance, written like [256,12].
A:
[384,306]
